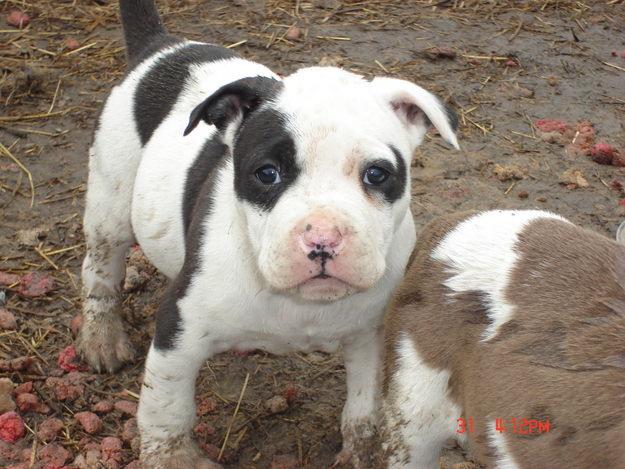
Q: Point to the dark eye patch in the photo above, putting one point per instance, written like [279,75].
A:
[393,187]
[264,140]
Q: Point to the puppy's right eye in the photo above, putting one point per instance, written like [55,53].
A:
[268,174]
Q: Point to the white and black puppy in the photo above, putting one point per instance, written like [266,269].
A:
[278,207]
[508,332]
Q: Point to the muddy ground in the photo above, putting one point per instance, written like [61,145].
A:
[501,65]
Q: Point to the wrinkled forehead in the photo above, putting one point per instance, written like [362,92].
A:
[333,113]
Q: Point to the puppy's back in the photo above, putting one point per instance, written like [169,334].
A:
[526,312]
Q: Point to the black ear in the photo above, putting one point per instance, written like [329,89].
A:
[239,97]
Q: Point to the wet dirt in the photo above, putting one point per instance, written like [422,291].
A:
[510,66]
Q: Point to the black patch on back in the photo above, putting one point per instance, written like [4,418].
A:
[213,151]
[395,185]
[197,205]
[156,44]
[160,87]
[263,139]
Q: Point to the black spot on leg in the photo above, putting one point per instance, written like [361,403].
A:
[308,227]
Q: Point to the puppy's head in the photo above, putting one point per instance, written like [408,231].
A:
[321,163]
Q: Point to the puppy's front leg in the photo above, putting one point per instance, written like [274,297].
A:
[167,405]
[363,356]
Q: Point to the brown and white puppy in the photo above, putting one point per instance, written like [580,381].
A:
[508,332]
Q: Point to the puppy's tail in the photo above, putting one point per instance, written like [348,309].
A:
[141,23]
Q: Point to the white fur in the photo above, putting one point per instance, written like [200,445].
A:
[620,233]
[419,414]
[236,299]
[503,458]
[480,254]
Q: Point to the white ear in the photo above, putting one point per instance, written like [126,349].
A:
[620,233]
[415,106]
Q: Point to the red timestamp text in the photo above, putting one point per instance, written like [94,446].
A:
[519,426]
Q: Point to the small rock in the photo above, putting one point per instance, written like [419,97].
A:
[63,390]
[7,451]
[290,393]
[35,284]
[7,320]
[71,43]
[8,279]
[33,236]
[134,280]
[293,33]
[523,195]
[6,390]
[551,125]
[11,427]
[276,405]
[27,402]
[331,61]
[204,430]
[49,429]
[103,407]
[89,421]
[16,364]
[573,178]
[18,19]
[111,449]
[206,406]
[24,387]
[76,324]
[512,63]
[440,53]
[130,430]
[541,199]
[316,357]
[285,461]
[69,361]
[552,80]
[53,456]
[604,153]
[126,407]
[506,173]
[211,450]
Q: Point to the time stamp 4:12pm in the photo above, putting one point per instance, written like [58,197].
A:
[519,426]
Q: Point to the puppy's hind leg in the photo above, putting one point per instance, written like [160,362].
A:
[102,340]
[417,412]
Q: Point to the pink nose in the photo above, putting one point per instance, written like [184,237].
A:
[320,235]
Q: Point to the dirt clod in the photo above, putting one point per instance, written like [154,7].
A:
[7,319]
[276,405]
[89,421]
[11,427]
[18,19]
[126,407]
[49,429]
[103,407]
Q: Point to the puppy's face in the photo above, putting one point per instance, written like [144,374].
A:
[322,176]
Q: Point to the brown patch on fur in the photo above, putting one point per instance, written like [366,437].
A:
[560,359]
[422,285]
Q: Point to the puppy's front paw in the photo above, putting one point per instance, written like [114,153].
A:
[103,343]
[361,446]
[179,453]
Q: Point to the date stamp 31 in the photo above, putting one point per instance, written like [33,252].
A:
[519,426]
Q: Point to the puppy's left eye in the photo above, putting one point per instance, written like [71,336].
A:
[374,175]
[268,174]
